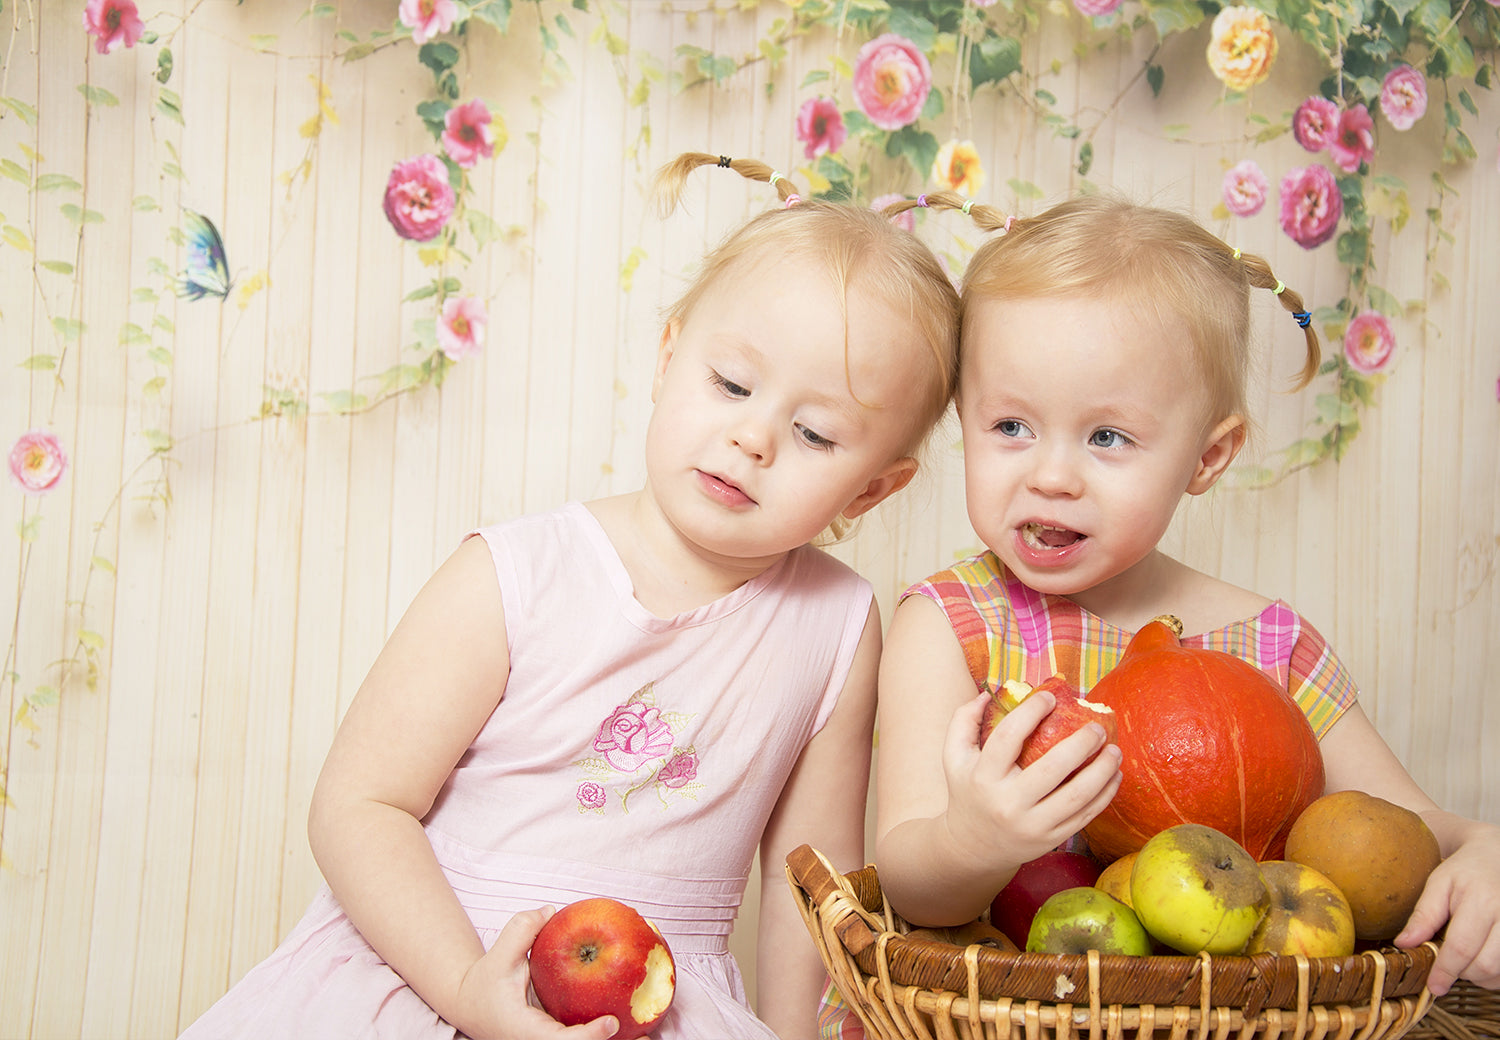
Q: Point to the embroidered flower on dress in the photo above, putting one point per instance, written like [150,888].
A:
[633,736]
[591,795]
[680,768]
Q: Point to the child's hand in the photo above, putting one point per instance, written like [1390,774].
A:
[1007,814]
[494,991]
[1464,890]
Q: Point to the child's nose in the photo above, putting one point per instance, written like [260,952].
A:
[1055,471]
[752,435]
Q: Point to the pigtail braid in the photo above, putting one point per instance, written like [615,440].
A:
[1261,277]
[986,217]
[672,178]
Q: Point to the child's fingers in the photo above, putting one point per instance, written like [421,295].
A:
[962,739]
[599,1029]
[1004,745]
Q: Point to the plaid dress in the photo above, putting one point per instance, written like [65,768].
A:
[1010,631]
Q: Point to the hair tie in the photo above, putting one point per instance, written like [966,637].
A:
[1304,318]
[774,178]
[922,201]
[1279,288]
[1008,222]
[964,209]
[724,162]
[792,200]
[1236,252]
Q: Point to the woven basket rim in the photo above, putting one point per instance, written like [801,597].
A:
[860,930]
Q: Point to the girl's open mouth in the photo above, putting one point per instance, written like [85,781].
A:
[1045,536]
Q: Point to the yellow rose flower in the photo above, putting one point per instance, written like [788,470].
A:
[1241,47]
[957,168]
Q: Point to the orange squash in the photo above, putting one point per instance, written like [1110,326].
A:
[1205,738]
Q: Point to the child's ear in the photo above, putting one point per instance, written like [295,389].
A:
[1223,444]
[885,484]
[664,351]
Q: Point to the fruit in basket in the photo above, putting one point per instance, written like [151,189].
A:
[1071,711]
[600,957]
[1205,738]
[1077,920]
[1033,883]
[1308,914]
[1115,878]
[1196,888]
[1378,853]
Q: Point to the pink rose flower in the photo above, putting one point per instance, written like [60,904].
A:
[1245,187]
[1310,205]
[1241,47]
[906,219]
[591,795]
[418,198]
[891,81]
[633,736]
[1354,143]
[460,333]
[1315,123]
[37,462]
[427,18]
[820,127]
[467,135]
[1403,96]
[957,168]
[1096,8]
[680,768]
[1369,342]
[111,23]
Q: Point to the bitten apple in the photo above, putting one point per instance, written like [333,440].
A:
[1033,884]
[1071,711]
[600,957]
[1078,920]
[1196,888]
[1308,914]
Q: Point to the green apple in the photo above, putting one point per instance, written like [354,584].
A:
[1077,920]
[1196,888]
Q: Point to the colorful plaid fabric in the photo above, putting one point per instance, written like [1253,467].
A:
[836,1019]
[1011,631]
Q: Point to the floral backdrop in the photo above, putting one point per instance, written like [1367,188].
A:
[873,101]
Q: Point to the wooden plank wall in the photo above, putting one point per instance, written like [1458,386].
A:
[153,836]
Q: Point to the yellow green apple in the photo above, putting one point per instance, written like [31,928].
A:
[1080,919]
[1196,888]
[1308,914]
[1115,878]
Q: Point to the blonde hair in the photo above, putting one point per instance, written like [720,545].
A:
[1103,245]
[859,247]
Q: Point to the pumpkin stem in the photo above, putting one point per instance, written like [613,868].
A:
[1171,621]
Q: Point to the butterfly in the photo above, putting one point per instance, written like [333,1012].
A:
[207,271]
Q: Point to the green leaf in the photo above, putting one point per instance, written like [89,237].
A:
[993,59]
[1155,77]
[483,227]
[163,65]
[131,333]
[90,639]
[97,95]
[68,328]
[1383,301]
[38,363]
[1085,158]
[15,171]
[29,530]
[15,238]
[344,402]
[493,12]
[144,204]
[262,42]
[43,697]
[159,355]
[438,55]
[159,441]
[58,266]
[57,182]
[815,76]
[144,294]
[170,105]
[20,108]
[919,148]
[99,563]
[906,21]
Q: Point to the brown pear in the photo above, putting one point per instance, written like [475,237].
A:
[1378,854]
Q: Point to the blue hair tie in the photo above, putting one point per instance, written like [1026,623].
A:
[1304,318]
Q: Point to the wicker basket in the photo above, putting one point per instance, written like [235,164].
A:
[906,988]
[1465,1012]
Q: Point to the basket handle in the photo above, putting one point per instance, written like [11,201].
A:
[812,873]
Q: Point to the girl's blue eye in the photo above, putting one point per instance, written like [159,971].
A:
[815,439]
[1011,428]
[732,389]
[1108,439]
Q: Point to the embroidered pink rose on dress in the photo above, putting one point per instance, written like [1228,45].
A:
[633,736]
[591,795]
[680,768]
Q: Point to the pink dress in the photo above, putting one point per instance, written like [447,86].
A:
[632,756]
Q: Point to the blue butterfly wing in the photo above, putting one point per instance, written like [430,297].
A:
[207,269]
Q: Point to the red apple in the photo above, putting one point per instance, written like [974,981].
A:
[1033,884]
[1070,713]
[600,957]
